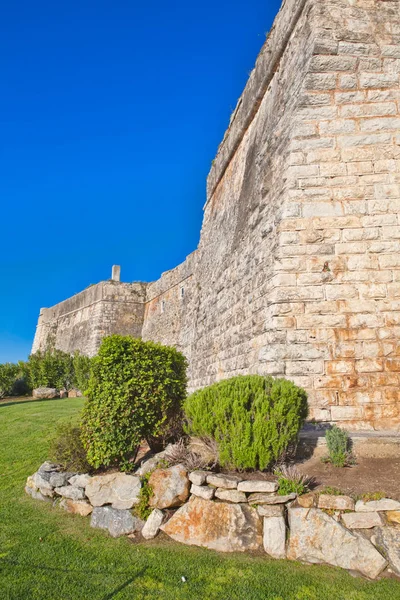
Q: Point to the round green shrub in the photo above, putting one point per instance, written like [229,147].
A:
[252,418]
[66,448]
[135,391]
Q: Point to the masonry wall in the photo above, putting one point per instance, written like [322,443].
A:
[81,322]
[297,272]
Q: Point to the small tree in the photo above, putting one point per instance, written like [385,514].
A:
[52,368]
[135,391]
[338,443]
[253,419]
[8,376]
[81,367]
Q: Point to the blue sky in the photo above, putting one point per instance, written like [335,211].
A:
[111,113]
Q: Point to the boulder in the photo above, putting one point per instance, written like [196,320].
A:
[48,467]
[203,491]
[230,495]
[39,482]
[153,463]
[118,489]
[44,392]
[393,516]
[388,538]
[70,491]
[153,524]
[362,520]
[274,536]
[171,487]
[315,537]
[330,502]
[36,494]
[80,480]
[377,505]
[257,486]
[63,394]
[270,498]
[76,507]
[59,479]
[229,482]
[216,525]
[74,393]
[117,522]
[271,510]
[198,477]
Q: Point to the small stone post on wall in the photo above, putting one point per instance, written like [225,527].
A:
[116,273]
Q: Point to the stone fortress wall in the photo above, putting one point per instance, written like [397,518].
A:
[297,273]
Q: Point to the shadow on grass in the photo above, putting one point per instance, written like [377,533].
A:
[109,596]
[30,401]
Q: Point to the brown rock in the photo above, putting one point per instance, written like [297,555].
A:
[171,487]
[230,495]
[306,500]
[271,510]
[270,498]
[216,525]
[393,516]
[76,507]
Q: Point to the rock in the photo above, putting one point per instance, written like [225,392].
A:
[117,522]
[76,507]
[70,491]
[362,520]
[330,502]
[274,537]
[48,467]
[198,477]
[388,538]
[216,525]
[42,482]
[230,495]
[118,489]
[59,479]
[377,505]
[306,500]
[170,487]
[229,482]
[63,394]
[153,463]
[36,494]
[44,392]
[315,537]
[203,491]
[393,516]
[74,393]
[257,486]
[271,510]
[270,498]
[153,524]
[80,480]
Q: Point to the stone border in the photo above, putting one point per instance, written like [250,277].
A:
[229,514]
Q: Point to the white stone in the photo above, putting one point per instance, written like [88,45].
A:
[331,502]
[118,489]
[362,520]
[202,491]
[377,505]
[70,491]
[230,495]
[270,498]
[271,510]
[198,477]
[153,524]
[274,536]
[80,480]
[229,482]
[257,486]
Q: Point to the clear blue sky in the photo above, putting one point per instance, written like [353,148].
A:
[111,113]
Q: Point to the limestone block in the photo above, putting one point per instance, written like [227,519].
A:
[76,507]
[229,482]
[315,537]
[45,392]
[118,489]
[117,522]
[216,525]
[230,495]
[377,505]
[362,520]
[271,510]
[170,487]
[198,477]
[330,502]
[389,539]
[153,524]
[203,491]
[80,480]
[257,486]
[259,498]
[274,536]
[70,491]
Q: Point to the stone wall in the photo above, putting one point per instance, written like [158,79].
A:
[81,322]
[297,272]
[229,513]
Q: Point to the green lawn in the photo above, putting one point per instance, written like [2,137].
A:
[48,554]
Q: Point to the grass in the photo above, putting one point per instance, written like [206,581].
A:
[47,554]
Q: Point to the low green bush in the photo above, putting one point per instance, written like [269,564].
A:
[338,442]
[291,480]
[253,419]
[67,449]
[81,368]
[52,368]
[136,391]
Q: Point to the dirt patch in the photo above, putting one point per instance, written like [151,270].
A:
[366,476]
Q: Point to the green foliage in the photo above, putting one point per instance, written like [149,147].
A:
[290,480]
[332,491]
[338,446]
[135,391]
[52,368]
[81,367]
[373,496]
[143,509]
[252,418]
[67,448]
[8,376]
